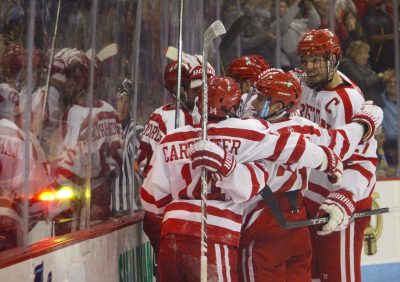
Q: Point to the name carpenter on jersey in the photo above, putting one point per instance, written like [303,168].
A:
[175,152]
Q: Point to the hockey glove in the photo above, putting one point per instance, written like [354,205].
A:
[340,206]
[209,155]
[194,65]
[371,117]
[332,165]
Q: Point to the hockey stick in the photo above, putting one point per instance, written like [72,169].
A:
[53,44]
[105,53]
[179,80]
[233,32]
[273,205]
[213,31]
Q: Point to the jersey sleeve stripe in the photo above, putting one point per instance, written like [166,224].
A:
[254,181]
[236,132]
[347,105]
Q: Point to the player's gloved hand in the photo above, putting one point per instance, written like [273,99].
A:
[371,117]
[62,60]
[332,165]
[340,206]
[194,65]
[209,155]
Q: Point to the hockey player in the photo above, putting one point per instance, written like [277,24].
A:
[162,121]
[76,158]
[172,187]
[13,153]
[330,99]
[271,253]
[245,70]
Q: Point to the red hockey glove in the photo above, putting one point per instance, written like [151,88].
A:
[209,155]
[340,206]
[371,117]
[332,165]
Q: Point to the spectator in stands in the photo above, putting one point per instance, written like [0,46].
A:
[355,65]
[354,30]
[294,22]
[389,123]
[382,167]
[14,27]
[258,38]
[391,154]
[378,26]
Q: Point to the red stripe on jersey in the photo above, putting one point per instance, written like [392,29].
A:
[254,181]
[187,206]
[157,118]
[288,184]
[280,145]
[262,168]
[107,115]
[347,105]
[237,132]
[188,118]
[354,157]
[346,143]
[333,136]
[150,198]
[364,172]
[318,189]
[69,175]
[181,136]
[298,151]
[304,178]
[190,228]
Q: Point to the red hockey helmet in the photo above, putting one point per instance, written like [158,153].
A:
[280,87]
[171,77]
[13,61]
[315,52]
[319,42]
[223,97]
[247,67]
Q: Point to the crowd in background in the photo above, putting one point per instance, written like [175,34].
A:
[365,29]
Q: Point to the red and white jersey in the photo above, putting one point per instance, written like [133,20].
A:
[161,122]
[9,102]
[12,158]
[330,109]
[53,106]
[173,187]
[343,141]
[104,152]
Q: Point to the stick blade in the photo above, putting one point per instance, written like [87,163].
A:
[233,32]
[216,29]
[171,53]
[107,52]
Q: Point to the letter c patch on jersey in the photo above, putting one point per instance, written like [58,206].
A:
[335,102]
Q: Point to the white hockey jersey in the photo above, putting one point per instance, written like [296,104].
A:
[12,158]
[9,102]
[160,123]
[343,141]
[330,109]
[75,152]
[173,188]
